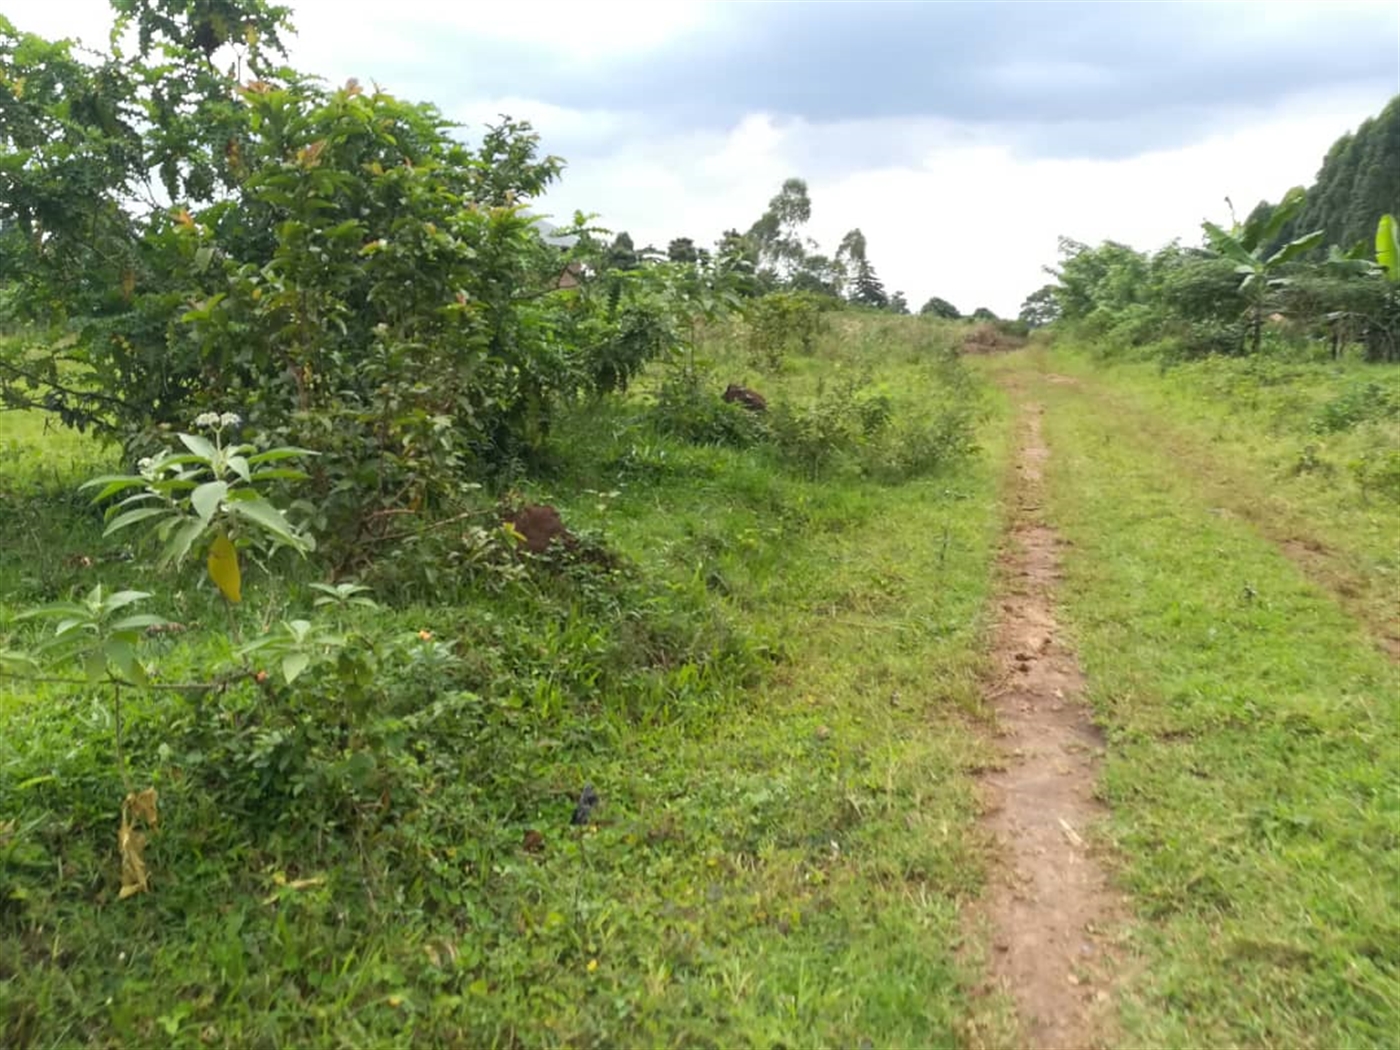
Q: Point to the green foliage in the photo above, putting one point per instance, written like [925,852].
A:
[1359,403]
[781,323]
[1358,182]
[186,501]
[688,406]
[936,307]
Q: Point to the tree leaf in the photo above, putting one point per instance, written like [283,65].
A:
[179,544]
[201,447]
[264,514]
[293,664]
[223,568]
[207,498]
[1293,249]
[111,485]
[131,517]
[122,599]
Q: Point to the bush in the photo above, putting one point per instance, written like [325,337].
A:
[688,406]
[1359,403]
[784,322]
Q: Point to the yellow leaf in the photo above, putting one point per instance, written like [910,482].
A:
[223,568]
[132,843]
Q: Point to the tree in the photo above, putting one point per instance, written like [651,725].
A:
[623,255]
[682,250]
[1247,245]
[1040,307]
[776,235]
[866,288]
[983,313]
[936,307]
[898,304]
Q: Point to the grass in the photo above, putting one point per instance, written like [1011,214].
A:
[771,696]
[1295,447]
[1253,742]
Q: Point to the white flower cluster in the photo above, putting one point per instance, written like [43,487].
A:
[218,420]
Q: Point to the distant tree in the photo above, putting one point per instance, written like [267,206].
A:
[776,234]
[937,307]
[682,250]
[1040,307]
[982,313]
[623,255]
[866,288]
[1359,181]
[898,304]
[820,274]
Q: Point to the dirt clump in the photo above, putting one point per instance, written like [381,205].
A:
[750,399]
[539,525]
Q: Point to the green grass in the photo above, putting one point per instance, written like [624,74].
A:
[772,696]
[1285,445]
[1253,747]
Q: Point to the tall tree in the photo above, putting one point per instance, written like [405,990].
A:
[777,234]
[899,304]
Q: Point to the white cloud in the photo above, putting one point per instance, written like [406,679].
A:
[963,218]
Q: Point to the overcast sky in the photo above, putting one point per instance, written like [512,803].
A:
[961,138]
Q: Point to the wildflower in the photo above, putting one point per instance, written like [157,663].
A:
[426,636]
[230,419]
[592,965]
[207,419]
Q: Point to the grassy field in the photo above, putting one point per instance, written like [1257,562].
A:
[772,680]
[772,697]
[1253,726]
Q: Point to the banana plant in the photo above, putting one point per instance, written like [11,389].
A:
[1388,247]
[1247,244]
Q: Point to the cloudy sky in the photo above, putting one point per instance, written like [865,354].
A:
[962,138]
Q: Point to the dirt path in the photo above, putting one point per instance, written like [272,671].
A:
[1050,902]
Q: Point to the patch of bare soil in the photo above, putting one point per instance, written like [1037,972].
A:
[1051,909]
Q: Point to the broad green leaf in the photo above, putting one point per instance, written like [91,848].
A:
[239,465]
[1287,208]
[95,665]
[1388,246]
[122,656]
[1293,249]
[201,447]
[1228,245]
[111,485]
[179,544]
[273,455]
[124,598]
[207,498]
[264,514]
[131,517]
[293,664]
[223,568]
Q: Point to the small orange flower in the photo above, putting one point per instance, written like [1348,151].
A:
[426,636]
[260,677]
